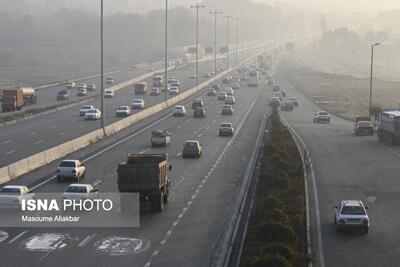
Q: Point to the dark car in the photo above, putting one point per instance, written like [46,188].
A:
[211,92]
[226,129]
[363,128]
[63,95]
[197,103]
[287,106]
[199,112]
[216,87]
[227,110]
[192,149]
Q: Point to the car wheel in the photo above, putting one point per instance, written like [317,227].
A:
[59,178]
[366,231]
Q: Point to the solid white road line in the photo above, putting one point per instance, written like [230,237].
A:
[17,237]
[9,152]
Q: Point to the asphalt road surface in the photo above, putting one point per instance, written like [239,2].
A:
[35,135]
[349,167]
[190,229]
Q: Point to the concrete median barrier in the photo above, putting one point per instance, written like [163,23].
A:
[33,162]
[4,175]
[36,160]
[18,168]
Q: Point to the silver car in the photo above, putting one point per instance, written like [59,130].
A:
[351,215]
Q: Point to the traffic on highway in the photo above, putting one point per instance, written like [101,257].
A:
[135,133]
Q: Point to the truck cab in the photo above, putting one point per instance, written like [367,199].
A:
[160,138]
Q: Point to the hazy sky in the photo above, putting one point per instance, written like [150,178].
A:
[347,6]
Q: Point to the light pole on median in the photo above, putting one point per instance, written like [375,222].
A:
[166,52]
[370,81]
[197,6]
[237,40]
[102,67]
[215,13]
[227,38]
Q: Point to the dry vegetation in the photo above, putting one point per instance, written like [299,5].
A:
[276,235]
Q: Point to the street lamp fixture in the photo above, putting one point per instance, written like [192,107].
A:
[197,6]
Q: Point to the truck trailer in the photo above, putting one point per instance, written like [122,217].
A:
[146,174]
[388,123]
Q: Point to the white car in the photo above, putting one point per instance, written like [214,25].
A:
[171,80]
[82,86]
[109,80]
[351,215]
[109,94]
[278,94]
[321,116]
[275,102]
[174,91]
[179,111]
[230,100]
[222,96]
[93,114]
[70,85]
[84,109]
[71,168]
[91,87]
[11,195]
[193,76]
[81,92]
[229,91]
[137,104]
[123,111]
[80,191]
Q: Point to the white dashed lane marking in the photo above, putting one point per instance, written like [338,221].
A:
[6,142]
[38,142]
[17,237]
[9,152]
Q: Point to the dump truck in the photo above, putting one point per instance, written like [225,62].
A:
[29,95]
[140,88]
[146,174]
[388,123]
[13,100]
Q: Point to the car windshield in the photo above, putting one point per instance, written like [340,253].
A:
[123,108]
[138,101]
[92,111]
[225,125]
[10,190]
[76,189]
[352,210]
[67,164]
[364,123]
[86,107]
[179,108]
[109,92]
[323,113]
[191,145]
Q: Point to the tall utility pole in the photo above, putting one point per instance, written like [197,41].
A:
[237,40]
[227,37]
[166,52]
[103,115]
[197,6]
[215,13]
[370,81]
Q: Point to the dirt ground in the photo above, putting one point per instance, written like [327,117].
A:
[345,96]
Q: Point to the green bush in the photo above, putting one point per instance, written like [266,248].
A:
[282,249]
[276,232]
[274,260]
[278,216]
[272,203]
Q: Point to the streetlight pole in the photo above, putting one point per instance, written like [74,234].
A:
[237,40]
[370,81]
[227,38]
[103,115]
[197,6]
[166,53]
[215,13]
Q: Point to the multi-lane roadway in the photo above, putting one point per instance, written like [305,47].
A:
[35,135]
[189,232]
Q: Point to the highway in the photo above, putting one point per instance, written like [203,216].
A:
[32,136]
[348,167]
[190,230]
[48,96]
